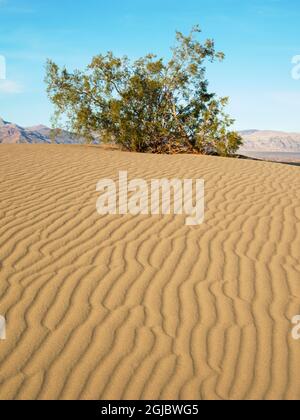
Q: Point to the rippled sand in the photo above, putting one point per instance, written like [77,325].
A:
[122,307]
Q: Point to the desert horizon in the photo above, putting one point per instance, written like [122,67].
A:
[277,146]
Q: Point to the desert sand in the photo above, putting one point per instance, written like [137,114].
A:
[123,307]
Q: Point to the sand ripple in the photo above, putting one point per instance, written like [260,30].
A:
[144,307]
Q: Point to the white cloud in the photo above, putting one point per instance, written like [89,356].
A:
[10,87]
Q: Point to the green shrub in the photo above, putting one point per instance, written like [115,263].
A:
[150,105]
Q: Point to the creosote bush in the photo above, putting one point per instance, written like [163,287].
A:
[150,105]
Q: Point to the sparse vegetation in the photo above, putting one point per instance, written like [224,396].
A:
[150,105]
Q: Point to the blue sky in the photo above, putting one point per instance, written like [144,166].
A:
[259,38]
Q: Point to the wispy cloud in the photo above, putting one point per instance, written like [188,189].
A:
[10,87]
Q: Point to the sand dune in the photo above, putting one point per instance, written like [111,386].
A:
[124,307]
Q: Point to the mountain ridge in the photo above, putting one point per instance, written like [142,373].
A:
[11,133]
[254,140]
[270,141]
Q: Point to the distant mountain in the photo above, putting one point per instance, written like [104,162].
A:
[270,141]
[254,140]
[14,134]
